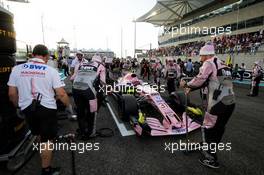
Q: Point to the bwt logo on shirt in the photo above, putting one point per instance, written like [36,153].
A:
[34,66]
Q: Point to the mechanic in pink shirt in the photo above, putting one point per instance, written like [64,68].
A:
[221,101]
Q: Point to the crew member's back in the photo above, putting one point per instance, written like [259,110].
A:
[39,78]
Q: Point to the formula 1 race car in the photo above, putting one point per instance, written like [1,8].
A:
[149,114]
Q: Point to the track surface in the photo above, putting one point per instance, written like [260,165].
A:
[135,155]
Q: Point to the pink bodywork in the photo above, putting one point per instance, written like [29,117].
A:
[172,124]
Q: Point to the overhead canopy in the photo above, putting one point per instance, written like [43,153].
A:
[171,12]
[2,9]
[23,1]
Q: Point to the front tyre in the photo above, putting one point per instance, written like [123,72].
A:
[129,107]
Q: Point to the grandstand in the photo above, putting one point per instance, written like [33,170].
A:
[234,27]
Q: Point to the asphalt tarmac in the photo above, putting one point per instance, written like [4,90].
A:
[135,155]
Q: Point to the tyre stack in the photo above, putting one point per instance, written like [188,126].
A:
[8,117]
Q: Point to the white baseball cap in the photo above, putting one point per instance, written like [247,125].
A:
[97,58]
[79,53]
[207,49]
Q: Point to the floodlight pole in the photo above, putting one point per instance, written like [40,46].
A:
[135,38]
[42,26]
[233,60]
[75,37]
[121,42]
[106,43]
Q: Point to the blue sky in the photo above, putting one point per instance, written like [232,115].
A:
[85,23]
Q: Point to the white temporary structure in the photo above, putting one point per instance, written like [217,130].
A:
[171,12]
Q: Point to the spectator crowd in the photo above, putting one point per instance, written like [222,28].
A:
[225,44]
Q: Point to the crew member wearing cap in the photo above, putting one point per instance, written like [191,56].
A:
[221,103]
[32,88]
[256,78]
[88,80]
[78,59]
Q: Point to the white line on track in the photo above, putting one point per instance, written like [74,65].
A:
[124,132]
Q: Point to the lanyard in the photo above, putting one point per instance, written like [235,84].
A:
[33,89]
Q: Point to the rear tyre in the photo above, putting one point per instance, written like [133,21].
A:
[7,36]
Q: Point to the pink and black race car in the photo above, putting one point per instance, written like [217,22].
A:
[147,111]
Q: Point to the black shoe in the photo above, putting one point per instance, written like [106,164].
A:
[52,171]
[209,163]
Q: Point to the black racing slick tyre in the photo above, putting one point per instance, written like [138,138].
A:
[177,102]
[7,62]
[7,33]
[129,107]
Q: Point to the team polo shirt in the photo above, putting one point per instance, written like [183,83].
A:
[35,77]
